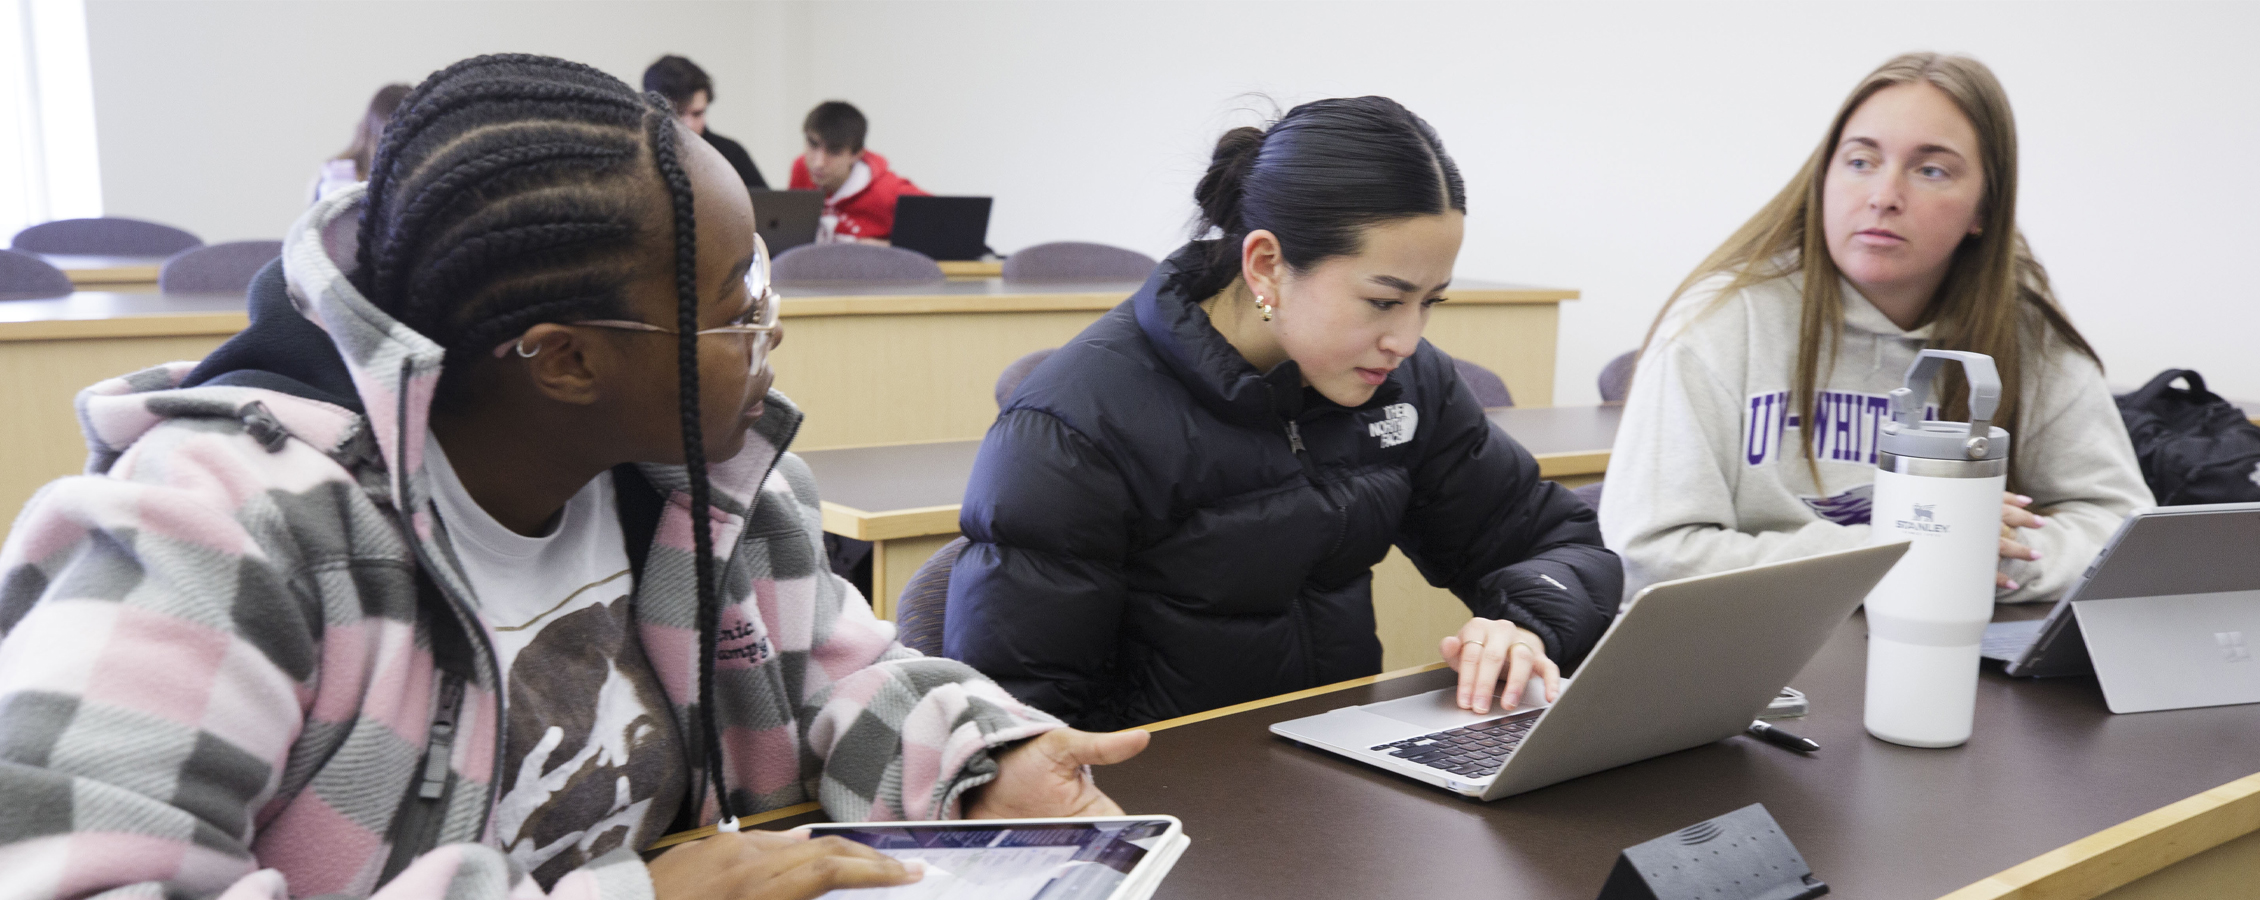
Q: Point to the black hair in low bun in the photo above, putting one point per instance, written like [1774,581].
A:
[1219,191]
[1316,178]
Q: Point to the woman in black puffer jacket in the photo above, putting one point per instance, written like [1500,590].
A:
[1181,509]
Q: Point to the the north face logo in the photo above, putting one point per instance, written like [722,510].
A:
[1398,422]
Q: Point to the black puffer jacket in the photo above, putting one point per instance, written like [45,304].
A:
[1149,541]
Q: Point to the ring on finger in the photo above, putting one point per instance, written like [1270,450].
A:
[1473,643]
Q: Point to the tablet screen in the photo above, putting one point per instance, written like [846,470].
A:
[1048,861]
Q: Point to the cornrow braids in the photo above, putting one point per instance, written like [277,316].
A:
[514,189]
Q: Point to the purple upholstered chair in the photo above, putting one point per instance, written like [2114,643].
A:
[821,263]
[27,277]
[105,237]
[1077,261]
[218,268]
[1490,390]
[1616,377]
[1018,372]
[920,613]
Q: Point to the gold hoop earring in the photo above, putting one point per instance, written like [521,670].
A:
[1266,307]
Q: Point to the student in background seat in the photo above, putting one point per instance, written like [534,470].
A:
[687,86]
[1183,508]
[1749,435]
[478,562]
[351,165]
[859,189]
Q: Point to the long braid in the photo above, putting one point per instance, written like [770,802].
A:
[694,438]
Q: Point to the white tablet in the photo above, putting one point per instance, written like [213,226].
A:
[1022,859]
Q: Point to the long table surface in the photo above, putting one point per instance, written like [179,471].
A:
[875,481]
[98,313]
[2048,764]
[107,269]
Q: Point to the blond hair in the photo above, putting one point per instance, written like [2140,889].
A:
[1995,299]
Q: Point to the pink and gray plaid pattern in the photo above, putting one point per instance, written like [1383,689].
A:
[215,681]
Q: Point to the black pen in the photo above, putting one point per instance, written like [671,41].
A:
[1782,739]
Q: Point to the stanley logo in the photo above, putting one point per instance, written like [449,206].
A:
[1924,522]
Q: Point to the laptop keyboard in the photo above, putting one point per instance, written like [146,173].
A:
[1475,751]
[2009,640]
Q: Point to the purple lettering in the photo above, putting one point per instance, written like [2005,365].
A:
[1757,442]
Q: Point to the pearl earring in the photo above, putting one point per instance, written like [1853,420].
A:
[1266,307]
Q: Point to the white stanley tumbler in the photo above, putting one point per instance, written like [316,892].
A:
[1937,485]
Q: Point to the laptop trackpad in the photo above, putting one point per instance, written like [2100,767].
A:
[1437,710]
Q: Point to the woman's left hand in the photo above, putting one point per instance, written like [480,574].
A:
[2014,515]
[1484,650]
[1049,776]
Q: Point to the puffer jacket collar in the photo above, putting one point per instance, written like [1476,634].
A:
[1216,374]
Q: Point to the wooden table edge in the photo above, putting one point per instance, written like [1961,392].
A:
[683,837]
[150,325]
[1582,462]
[1290,697]
[114,275]
[2116,856]
[893,524]
[907,300]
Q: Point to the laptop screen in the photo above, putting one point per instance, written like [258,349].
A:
[952,228]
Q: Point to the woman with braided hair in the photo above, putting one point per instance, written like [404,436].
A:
[477,562]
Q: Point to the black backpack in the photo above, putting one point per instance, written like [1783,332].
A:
[2194,446]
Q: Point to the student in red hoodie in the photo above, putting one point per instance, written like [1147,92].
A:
[859,189]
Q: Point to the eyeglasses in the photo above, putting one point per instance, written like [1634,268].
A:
[755,325]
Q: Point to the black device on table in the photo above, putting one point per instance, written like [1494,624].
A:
[944,228]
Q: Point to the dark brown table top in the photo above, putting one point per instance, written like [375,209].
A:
[895,476]
[1561,429]
[2048,765]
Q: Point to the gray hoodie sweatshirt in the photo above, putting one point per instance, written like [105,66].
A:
[1708,472]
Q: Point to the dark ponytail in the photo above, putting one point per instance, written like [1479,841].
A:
[1316,179]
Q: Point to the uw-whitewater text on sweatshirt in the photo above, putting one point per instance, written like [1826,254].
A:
[1709,474]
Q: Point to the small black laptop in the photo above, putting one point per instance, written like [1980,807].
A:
[786,219]
[943,228]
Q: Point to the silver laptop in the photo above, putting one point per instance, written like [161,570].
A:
[1689,662]
[2165,616]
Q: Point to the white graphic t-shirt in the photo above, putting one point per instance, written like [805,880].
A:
[592,761]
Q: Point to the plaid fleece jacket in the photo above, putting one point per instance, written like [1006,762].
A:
[216,680]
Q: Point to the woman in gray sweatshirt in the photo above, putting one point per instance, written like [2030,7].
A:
[1749,433]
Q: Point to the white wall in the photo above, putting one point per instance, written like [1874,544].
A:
[214,114]
[1607,146]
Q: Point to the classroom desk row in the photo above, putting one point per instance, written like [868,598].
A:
[132,274]
[904,499]
[2054,798]
[869,364]
[138,274]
